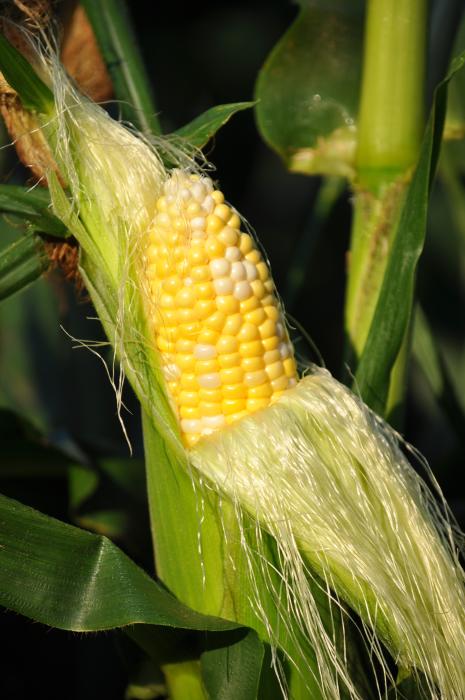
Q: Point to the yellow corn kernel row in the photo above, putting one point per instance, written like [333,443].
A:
[216,320]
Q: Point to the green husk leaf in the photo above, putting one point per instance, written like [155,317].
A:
[200,130]
[35,94]
[33,206]
[233,671]
[65,577]
[21,264]
[112,24]
[307,90]
[394,306]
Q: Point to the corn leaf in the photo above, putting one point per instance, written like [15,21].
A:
[233,671]
[33,206]
[201,129]
[308,89]
[111,22]
[68,578]
[35,94]
[394,306]
[22,263]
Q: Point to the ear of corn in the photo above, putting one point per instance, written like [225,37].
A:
[216,319]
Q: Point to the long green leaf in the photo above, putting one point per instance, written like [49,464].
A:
[22,263]
[33,206]
[112,25]
[201,129]
[308,88]
[233,671]
[71,579]
[394,306]
[35,94]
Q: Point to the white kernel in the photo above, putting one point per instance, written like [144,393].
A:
[292,381]
[198,234]
[210,381]
[185,194]
[191,426]
[223,286]
[232,253]
[283,348]
[198,222]
[208,204]
[171,372]
[242,290]
[198,191]
[162,219]
[212,422]
[238,271]
[251,270]
[188,282]
[279,330]
[220,267]
[204,352]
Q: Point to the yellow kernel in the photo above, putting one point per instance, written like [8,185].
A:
[251,349]
[275,370]
[255,378]
[186,297]
[232,375]
[205,290]
[226,345]
[258,289]
[164,345]
[252,364]
[206,366]
[234,221]
[289,367]
[186,315]
[269,285]
[257,404]
[217,320]
[163,267]
[192,209]
[217,196]
[233,359]
[248,332]
[235,391]
[269,300]
[272,312]
[185,362]
[254,256]
[190,330]
[211,395]
[267,329]
[189,412]
[172,285]
[270,343]
[185,346]
[205,308]
[257,316]
[245,243]
[233,406]
[170,317]
[263,271]
[233,324]
[188,381]
[162,204]
[179,252]
[167,301]
[280,383]
[249,304]
[208,337]
[200,273]
[214,247]
[222,211]
[209,409]
[191,439]
[188,398]
[179,224]
[228,304]
[151,272]
[198,256]
[214,224]
[228,236]
[263,391]
[271,356]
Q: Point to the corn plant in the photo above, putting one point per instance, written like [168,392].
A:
[298,553]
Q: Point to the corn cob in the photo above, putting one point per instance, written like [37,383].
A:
[216,319]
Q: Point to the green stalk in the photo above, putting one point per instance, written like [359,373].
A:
[112,25]
[391,122]
[22,263]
